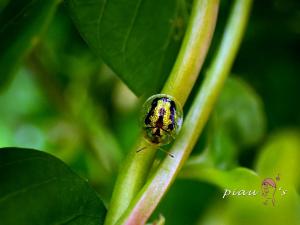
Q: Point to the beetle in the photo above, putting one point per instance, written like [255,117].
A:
[161,119]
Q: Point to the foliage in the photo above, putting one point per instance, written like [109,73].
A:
[52,194]
[70,75]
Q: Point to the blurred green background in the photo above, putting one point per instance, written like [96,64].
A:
[63,99]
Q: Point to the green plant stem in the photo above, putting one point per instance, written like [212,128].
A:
[136,167]
[194,49]
[157,185]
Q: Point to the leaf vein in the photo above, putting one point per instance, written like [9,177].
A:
[23,10]
[132,23]
[99,20]
[25,189]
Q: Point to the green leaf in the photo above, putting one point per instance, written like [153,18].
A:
[38,189]
[238,121]
[21,23]
[239,110]
[222,149]
[281,156]
[232,179]
[3,3]
[137,39]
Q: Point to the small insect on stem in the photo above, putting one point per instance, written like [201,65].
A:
[161,120]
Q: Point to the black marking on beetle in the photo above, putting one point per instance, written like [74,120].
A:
[171,126]
[173,106]
[162,112]
[157,132]
[172,114]
[172,109]
[151,111]
[160,122]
